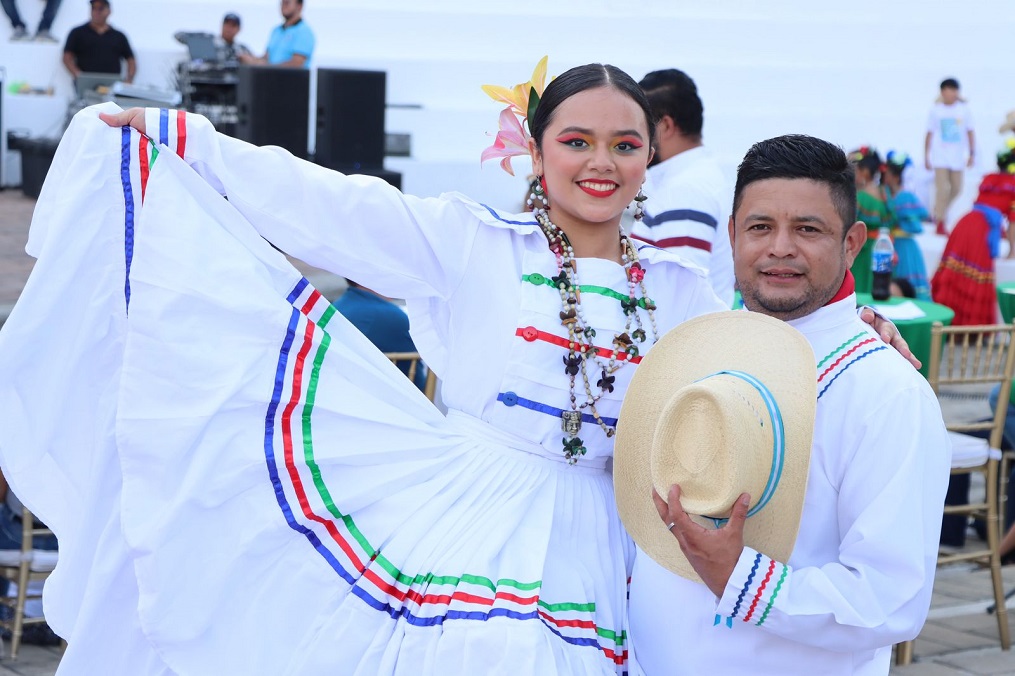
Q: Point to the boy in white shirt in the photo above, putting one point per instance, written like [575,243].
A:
[949,148]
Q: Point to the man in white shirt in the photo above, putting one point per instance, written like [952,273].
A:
[949,147]
[860,576]
[687,191]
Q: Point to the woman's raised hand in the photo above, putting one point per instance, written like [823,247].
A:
[132,117]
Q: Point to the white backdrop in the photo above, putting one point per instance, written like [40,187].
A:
[854,73]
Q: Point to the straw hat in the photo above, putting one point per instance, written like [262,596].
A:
[722,405]
[1009,123]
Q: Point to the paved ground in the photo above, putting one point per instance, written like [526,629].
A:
[15,264]
[959,638]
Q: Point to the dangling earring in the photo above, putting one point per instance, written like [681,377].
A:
[639,205]
[537,193]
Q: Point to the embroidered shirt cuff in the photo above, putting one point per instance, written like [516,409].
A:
[752,589]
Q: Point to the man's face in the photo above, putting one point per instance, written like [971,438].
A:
[949,95]
[788,251]
[100,13]
[229,31]
[290,9]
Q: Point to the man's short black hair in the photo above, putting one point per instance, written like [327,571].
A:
[949,83]
[672,92]
[800,156]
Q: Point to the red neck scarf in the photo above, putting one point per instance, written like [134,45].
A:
[847,288]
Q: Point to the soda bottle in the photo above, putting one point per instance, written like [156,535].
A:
[881,265]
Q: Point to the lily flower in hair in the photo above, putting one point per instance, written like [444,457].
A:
[512,140]
[522,98]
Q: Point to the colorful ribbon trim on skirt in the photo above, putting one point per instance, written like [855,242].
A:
[374,579]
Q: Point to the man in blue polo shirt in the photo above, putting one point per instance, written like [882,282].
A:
[291,44]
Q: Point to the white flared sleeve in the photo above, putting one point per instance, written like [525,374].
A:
[889,515]
[359,227]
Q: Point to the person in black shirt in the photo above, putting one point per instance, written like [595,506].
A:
[97,47]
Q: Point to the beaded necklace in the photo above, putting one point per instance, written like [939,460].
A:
[582,355]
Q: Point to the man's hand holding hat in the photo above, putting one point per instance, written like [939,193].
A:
[719,412]
[712,553]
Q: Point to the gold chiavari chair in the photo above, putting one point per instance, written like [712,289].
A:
[967,361]
[414,362]
[21,567]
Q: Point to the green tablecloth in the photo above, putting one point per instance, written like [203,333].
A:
[1006,300]
[916,331]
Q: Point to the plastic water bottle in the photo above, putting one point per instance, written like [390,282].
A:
[881,265]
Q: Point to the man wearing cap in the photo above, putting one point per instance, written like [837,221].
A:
[97,47]
[289,45]
[229,49]
[858,576]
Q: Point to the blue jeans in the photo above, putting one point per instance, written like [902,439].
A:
[10,532]
[1009,418]
[45,23]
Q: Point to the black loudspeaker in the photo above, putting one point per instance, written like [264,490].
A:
[273,107]
[350,119]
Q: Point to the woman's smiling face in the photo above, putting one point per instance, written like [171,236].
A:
[593,157]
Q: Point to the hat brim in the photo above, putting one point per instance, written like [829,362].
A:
[767,348]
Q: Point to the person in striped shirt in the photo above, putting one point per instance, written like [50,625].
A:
[686,210]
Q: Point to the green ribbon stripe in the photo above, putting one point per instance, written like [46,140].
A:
[370,551]
[775,592]
[540,280]
[839,349]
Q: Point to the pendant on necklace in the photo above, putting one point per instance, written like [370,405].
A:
[571,422]
[573,449]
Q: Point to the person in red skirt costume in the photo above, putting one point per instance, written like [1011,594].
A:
[965,279]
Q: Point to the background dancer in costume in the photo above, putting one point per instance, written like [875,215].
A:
[871,208]
[860,575]
[334,508]
[909,218]
[964,280]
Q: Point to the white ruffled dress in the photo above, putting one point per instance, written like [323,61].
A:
[242,484]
